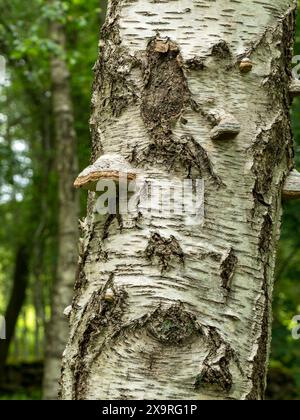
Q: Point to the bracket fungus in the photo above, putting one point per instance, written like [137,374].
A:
[246,65]
[108,166]
[294,87]
[227,128]
[291,187]
[67,311]
[109,296]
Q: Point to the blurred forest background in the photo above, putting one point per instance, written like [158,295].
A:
[29,190]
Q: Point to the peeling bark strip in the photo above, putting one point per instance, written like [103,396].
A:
[156,315]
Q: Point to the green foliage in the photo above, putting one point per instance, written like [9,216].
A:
[35,394]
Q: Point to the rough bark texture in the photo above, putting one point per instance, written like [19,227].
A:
[68,211]
[189,308]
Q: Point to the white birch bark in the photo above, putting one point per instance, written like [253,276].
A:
[185,88]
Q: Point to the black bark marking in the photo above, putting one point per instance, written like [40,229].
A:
[112,79]
[87,235]
[110,219]
[221,50]
[215,256]
[173,326]
[228,267]
[116,88]
[259,362]
[102,315]
[265,236]
[165,250]
[270,149]
[215,375]
[195,63]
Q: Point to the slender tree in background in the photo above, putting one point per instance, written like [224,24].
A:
[68,210]
[29,216]
[165,309]
[16,301]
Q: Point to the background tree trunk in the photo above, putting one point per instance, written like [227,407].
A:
[186,89]
[16,301]
[68,211]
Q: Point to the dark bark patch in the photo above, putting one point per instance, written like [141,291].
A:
[166,91]
[113,80]
[271,147]
[173,326]
[109,221]
[217,378]
[195,63]
[165,250]
[228,267]
[215,375]
[164,98]
[110,28]
[265,236]
[102,314]
[215,256]
[113,87]
[258,377]
[221,50]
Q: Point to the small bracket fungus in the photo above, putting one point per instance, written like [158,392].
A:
[67,311]
[109,296]
[246,65]
[108,166]
[294,87]
[227,128]
[291,187]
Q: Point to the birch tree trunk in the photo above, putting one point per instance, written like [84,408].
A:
[185,89]
[68,213]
